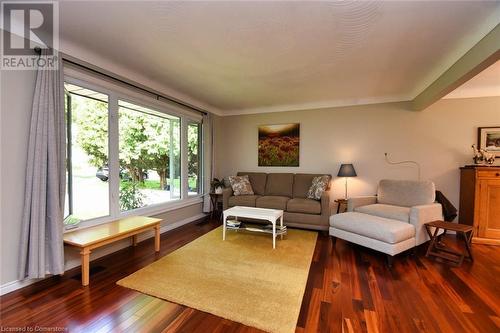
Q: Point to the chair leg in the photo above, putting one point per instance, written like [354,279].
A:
[390,260]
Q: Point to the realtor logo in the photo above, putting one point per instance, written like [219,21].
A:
[25,27]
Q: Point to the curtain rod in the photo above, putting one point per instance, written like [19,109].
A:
[78,63]
[158,96]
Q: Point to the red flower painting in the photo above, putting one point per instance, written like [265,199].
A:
[279,145]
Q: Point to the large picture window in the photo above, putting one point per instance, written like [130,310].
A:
[87,146]
[149,144]
[125,155]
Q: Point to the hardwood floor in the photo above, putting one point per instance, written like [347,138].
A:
[349,289]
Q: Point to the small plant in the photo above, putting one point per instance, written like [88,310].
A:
[130,196]
[71,222]
[216,183]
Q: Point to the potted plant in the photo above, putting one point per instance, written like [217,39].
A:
[217,185]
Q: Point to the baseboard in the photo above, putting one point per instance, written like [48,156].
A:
[486,241]
[18,284]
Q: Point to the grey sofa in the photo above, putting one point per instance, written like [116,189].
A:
[391,222]
[288,192]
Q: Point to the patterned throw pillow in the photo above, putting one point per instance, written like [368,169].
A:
[241,185]
[319,185]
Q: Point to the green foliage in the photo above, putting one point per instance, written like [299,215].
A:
[217,183]
[92,119]
[146,142]
[193,143]
[71,220]
[130,196]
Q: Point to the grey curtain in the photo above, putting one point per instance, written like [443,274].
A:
[208,160]
[42,249]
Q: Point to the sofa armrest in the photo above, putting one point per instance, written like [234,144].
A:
[352,203]
[326,204]
[226,193]
[420,215]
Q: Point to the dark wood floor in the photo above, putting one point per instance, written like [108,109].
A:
[349,289]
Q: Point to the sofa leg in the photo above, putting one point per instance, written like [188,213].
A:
[413,252]
[390,260]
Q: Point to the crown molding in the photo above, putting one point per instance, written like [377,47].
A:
[318,105]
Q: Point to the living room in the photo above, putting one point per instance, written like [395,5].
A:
[143,144]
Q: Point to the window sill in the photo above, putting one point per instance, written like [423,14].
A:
[145,211]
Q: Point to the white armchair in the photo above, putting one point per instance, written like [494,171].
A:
[393,220]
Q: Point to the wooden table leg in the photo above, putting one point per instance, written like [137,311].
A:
[433,240]
[274,235]
[157,237]
[85,253]
[214,206]
[134,240]
[467,240]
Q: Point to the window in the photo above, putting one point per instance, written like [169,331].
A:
[149,145]
[126,155]
[194,158]
[87,146]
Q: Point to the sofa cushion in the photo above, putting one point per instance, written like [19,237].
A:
[318,186]
[301,184]
[388,211]
[241,185]
[242,200]
[300,205]
[258,181]
[274,202]
[406,193]
[379,228]
[279,184]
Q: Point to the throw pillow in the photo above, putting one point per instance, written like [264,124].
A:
[319,185]
[241,185]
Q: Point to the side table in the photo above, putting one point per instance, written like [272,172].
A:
[439,250]
[215,199]
[341,202]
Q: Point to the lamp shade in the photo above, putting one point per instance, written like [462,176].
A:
[346,170]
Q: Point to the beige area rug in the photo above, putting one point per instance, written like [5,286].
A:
[242,278]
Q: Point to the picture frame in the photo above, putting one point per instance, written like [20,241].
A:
[488,138]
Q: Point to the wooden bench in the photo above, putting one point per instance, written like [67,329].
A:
[91,238]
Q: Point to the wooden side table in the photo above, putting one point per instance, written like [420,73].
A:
[439,250]
[215,198]
[341,202]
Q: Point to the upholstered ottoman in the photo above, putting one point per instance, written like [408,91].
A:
[381,234]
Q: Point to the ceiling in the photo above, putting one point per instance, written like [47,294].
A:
[484,84]
[247,57]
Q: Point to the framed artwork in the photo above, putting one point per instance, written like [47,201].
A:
[279,145]
[488,138]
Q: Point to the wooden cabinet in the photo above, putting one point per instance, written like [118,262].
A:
[480,202]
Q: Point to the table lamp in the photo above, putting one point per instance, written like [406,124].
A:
[346,170]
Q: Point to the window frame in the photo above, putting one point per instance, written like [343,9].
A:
[200,158]
[116,93]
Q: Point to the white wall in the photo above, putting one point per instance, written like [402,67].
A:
[16,95]
[439,138]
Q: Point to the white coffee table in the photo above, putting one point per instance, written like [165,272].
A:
[271,215]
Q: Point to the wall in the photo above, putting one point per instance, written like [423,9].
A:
[439,138]
[16,95]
